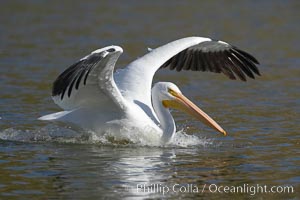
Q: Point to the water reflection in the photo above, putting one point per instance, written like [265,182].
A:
[64,170]
[144,169]
[102,170]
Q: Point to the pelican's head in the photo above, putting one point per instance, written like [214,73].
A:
[171,97]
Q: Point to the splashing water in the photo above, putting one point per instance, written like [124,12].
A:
[55,133]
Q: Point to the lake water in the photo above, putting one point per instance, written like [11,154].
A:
[39,160]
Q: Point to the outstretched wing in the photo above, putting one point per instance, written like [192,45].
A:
[192,53]
[215,56]
[89,82]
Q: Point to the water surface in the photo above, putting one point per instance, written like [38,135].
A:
[39,39]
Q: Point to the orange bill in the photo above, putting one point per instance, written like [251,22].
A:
[183,103]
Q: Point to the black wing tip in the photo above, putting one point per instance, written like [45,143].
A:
[243,65]
[73,75]
[57,88]
[250,61]
[246,54]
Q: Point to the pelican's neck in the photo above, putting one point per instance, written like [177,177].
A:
[165,118]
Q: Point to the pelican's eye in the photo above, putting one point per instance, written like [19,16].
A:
[172,92]
[111,50]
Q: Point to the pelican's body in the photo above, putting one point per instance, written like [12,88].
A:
[96,98]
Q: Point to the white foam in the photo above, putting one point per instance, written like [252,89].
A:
[55,133]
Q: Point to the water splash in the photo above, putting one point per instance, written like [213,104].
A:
[55,133]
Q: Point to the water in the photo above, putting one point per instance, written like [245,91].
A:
[39,39]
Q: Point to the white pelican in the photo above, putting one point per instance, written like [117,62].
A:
[96,98]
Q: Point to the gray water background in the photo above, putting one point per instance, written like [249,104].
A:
[39,39]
